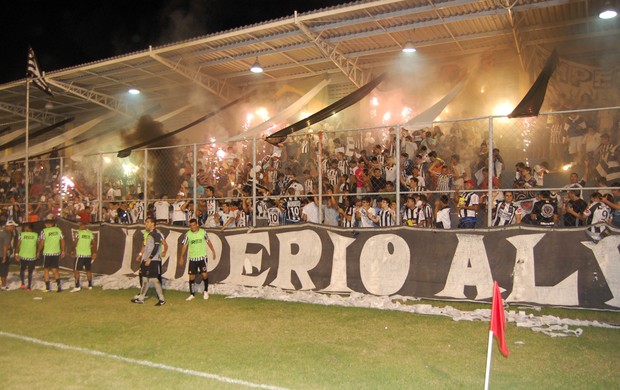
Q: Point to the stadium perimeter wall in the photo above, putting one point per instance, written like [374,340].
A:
[554,267]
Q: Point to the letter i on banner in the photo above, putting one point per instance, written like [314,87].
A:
[497,329]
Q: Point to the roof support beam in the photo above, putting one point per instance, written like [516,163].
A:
[101,99]
[356,74]
[211,84]
[47,118]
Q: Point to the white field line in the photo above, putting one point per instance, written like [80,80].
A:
[144,363]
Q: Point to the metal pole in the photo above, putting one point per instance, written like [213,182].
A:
[146,171]
[490,176]
[255,176]
[26,170]
[398,175]
[62,174]
[195,181]
[100,187]
[320,183]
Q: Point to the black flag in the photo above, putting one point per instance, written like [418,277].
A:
[33,72]
[533,100]
[352,98]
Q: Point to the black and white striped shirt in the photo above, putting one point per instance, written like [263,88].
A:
[385,218]
[505,214]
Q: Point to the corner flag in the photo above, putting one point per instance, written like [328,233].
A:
[33,72]
[498,320]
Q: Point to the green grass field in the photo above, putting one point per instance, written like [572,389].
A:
[280,344]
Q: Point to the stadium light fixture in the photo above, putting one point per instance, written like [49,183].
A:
[134,91]
[256,67]
[409,48]
[608,12]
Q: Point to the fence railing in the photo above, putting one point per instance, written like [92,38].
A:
[337,166]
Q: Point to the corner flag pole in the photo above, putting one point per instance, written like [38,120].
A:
[496,329]
[489,354]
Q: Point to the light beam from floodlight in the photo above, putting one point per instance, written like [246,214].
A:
[256,67]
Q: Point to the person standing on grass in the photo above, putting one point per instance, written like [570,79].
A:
[145,236]
[151,263]
[196,240]
[6,240]
[52,244]
[85,255]
[26,254]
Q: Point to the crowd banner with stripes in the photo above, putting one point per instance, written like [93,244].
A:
[554,267]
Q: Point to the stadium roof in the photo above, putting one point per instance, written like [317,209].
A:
[350,43]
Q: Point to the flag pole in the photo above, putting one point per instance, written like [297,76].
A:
[489,354]
[26,170]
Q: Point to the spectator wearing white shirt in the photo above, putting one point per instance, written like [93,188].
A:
[162,209]
[310,212]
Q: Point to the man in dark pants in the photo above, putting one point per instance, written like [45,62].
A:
[151,263]
[6,240]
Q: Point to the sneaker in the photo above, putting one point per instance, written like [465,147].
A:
[28,289]
[23,286]
[205,295]
[160,303]
[59,290]
[4,288]
[191,297]
[90,287]
[138,301]
[76,289]
[45,290]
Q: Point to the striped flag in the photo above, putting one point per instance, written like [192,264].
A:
[33,72]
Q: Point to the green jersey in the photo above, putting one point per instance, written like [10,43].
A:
[84,243]
[28,245]
[196,243]
[52,237]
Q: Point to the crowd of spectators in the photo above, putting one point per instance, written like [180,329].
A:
[443,178]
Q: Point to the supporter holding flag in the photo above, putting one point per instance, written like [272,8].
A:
[597,215]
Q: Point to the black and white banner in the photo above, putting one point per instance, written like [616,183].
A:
[540,266]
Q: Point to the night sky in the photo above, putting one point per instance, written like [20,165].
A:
[70,33]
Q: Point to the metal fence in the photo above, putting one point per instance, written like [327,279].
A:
[253,176]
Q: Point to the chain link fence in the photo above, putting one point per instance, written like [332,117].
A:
[265,184]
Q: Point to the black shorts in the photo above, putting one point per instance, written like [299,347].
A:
[152,270]
[4,268]
[51,261]
[197,266]
[27,263]
[83,263]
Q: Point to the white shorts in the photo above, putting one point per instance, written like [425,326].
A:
[574,144]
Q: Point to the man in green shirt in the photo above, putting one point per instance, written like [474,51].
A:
[52,243]
[6,241]
[85,255]
[197,241]
[27,253]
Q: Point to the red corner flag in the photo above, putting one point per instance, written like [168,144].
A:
[498,320]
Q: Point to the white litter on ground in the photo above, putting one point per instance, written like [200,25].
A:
[549,325]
